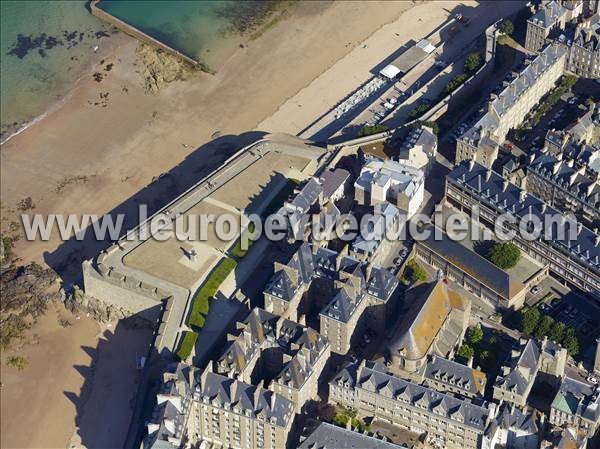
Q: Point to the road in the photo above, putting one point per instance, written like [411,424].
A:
[450,51]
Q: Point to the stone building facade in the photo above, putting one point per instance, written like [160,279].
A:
[369,388]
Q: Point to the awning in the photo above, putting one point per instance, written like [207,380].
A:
[390,71]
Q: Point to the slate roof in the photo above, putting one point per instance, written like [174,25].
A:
[374,231]
[332,180]
[306,265]
[564,175]
[455,375]
[242,398]
[262,330]
[329,436]
[472,263]
[523,369]
[420,137]
[511,417]
[524,81]
[375,378]
[166,427]
[308,195]
[343,305]
[548,14]
[488,187]
[578,398]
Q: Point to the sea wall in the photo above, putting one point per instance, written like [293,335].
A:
[138,34]
[117,292]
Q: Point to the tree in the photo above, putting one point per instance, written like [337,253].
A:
[507,27]
[473,62]
[529,320]
[466,352]
[571,344]
[369,130]
[504,255]
[558,331]
[544,327]
[475,335]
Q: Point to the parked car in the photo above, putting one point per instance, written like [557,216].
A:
[535,290]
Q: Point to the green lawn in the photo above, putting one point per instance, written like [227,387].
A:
[187,344]
[201,304]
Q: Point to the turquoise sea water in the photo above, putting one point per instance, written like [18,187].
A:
[44,46]
[203,30]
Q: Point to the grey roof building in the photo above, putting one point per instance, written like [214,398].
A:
[576,404]
[516,379]
[302,351]
[372,390]
[419,148]
[373,236]
[550,16]
[514,427]
[329,436]
[507,109]
[194,406]
[572,251]
[352,287]
[167,428]
[560,183]
[449,376]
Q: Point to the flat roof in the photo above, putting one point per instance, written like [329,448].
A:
[409,59]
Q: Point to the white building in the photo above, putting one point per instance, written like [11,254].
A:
[419,149]
[395,182]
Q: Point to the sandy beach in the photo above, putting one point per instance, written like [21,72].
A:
[110,139]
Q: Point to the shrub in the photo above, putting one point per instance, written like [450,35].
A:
[201,304]
[433,125]
[473,62]
[414,272]
[237,250]
[16,361]
[369,130]
[504,255]
[419,110]
[187,344]
[455,83]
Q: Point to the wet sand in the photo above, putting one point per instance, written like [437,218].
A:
[89,158]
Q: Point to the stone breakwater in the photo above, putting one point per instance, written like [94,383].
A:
[138,34]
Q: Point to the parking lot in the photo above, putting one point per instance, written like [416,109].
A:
[567,306]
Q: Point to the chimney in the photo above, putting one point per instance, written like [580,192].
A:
[522,195]
[488,174]
[597,238]
[505,184]
[302,320]
[471,165]
[368,271]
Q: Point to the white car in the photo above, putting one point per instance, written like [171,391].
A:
[535,290]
